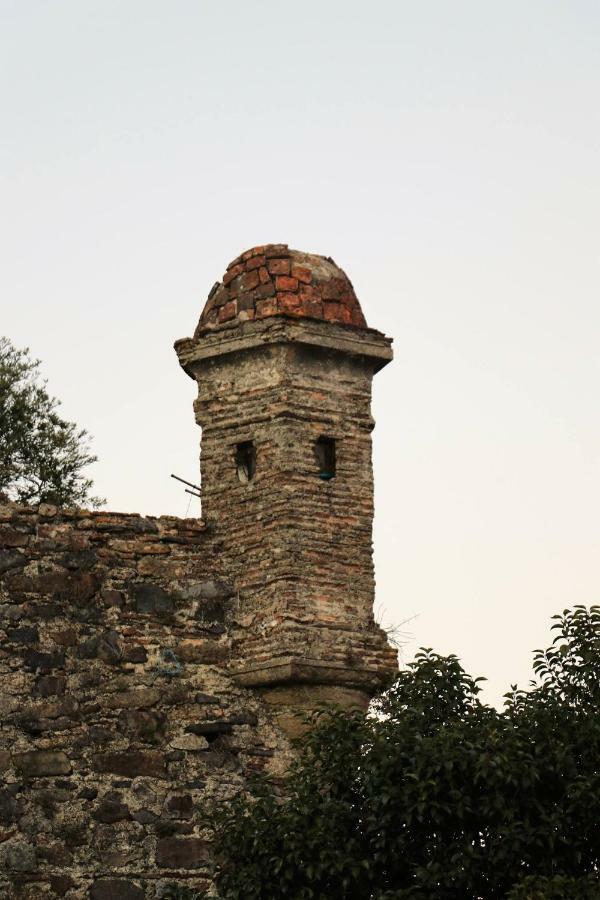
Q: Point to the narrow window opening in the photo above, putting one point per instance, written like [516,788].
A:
[325,454]
[245,461]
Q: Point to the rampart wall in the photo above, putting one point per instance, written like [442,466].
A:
[117,715]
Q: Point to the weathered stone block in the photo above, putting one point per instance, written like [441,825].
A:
[106,647]
[11,559]
[206,698]
[109,811]
[190,742]
[11,538]
[39,763]
[179,806]
[182,853]
[116,889]
[24,635]
[131,763]
[205,651]
[142,698]
[44,662]
[17,855]
[50,685]
[141,724]
[150,599]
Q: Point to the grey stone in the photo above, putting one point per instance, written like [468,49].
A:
[182,853]
[11,559]
[151,599]
[116,889]
[24,635]
[38,763]
[207,590]
[17,855]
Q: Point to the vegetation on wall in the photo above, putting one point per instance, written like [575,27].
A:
[436,794]
[42,456]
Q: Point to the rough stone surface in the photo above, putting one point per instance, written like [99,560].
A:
[97,769]
[152,665]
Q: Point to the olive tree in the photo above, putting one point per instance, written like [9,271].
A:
[42,456]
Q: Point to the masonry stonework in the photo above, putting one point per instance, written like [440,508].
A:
[150,665]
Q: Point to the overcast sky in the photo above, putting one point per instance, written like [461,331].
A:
[445,154]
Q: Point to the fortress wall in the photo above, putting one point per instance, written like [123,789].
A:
[117,715]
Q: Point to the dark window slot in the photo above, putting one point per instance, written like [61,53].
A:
[245,461]
[325,454]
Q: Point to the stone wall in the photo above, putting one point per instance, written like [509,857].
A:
[117,714]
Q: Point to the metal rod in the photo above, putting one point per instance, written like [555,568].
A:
[193,493]
[183,481]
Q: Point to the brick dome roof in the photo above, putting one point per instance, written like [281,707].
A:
[275,281]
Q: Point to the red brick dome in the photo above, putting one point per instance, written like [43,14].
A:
[275,281]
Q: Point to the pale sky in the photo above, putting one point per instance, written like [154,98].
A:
[444,152]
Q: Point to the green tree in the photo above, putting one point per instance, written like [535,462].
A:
[42,456]
[435,794]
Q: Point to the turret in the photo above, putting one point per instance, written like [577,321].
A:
[284,363]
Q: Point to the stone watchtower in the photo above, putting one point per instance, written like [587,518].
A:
[284,362]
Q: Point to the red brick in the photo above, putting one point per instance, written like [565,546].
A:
[219,298]
[254,262]
[235,287]
[309,294]
[230,274]
[255,251]
[288,302]
[285,283]
[276,250]
[313,308]
[266,308]
[228,311]
[332,290]
[302,274]
[279,266]
[264,290]
[246,301]
[332,312]
[249,280]
[263,274]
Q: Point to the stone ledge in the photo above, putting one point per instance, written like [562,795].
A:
[362,342]
[303,670]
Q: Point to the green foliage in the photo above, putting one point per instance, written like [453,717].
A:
[561,887]
[180,892]
[435,794]
[41,455]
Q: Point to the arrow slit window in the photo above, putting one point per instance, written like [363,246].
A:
[245,461]
[325,456]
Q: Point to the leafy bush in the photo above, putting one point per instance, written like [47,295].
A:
[435,794]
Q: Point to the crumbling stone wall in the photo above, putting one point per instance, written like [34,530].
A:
[117,713]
